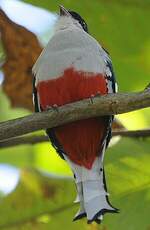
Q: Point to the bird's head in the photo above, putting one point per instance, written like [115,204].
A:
[74,17]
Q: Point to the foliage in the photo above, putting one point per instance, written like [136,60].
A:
[38,199]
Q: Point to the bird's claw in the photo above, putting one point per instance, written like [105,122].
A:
[98,94]
[92,96]
[54,107]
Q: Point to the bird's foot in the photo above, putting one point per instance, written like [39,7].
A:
[98,94]
[54,107]
[92,96]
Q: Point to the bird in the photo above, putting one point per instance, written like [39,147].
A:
[74,66]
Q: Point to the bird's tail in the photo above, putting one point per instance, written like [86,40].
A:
[93,198]
[92,192]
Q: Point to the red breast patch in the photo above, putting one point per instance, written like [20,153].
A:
[81,140]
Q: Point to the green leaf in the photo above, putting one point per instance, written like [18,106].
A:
[41,201]
[128,173]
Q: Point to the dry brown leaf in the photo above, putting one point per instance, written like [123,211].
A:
[22,49]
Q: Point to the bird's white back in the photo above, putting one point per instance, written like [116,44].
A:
[70,46]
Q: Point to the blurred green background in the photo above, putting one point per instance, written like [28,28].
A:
[44,194]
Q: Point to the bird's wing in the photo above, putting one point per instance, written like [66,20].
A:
[112,88]
[35,96]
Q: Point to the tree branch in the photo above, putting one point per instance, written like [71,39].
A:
[24,140]
[102,105]
[132,133]
[42,138]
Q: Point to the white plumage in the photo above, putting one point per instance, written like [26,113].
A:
[91,188]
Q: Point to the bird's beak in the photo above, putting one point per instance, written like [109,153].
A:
[63,11]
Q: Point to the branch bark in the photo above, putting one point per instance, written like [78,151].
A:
[102,105]
[132,133]
[42,138]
